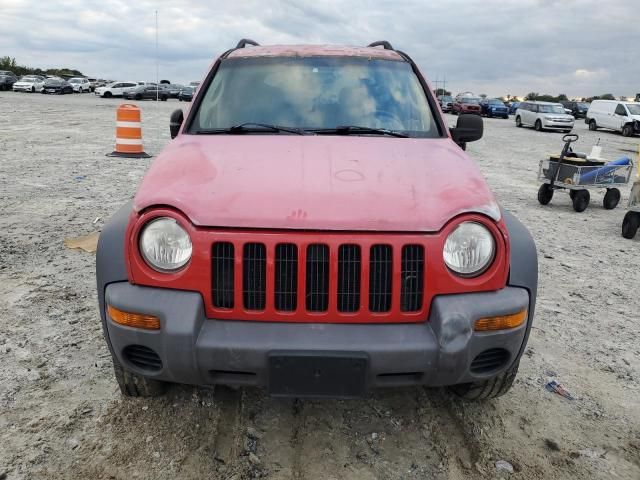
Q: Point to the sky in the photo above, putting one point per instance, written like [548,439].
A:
[497,47]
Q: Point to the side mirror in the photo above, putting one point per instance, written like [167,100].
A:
[177,117]
[469,128]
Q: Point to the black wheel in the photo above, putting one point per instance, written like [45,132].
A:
[572,193]
[630,224]
[538,126]
[164,98]
[518,121]
[33,89]
[592,125]
[581,200]
[490,388]
[179,99]
[627,130]
[611,198]
[138,96]
[545,194]
[107,94]
[505,117]
[134,385]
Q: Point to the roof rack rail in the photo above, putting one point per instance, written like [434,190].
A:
[245,41]
[383,43]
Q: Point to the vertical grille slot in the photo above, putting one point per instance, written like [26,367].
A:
[286,281]
[254,276]
[317,291]
[412,277]
[380,272]
[222,266]
[349,278]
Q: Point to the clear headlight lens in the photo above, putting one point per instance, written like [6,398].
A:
[165,245]
[469,249]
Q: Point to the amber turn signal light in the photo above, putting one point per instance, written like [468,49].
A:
[502,322]
[135,320]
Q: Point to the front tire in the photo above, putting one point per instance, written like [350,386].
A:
[630,224]
[518,122]
[580,200]
[538,126]
[545,194]
[107,95]
[611,198]
[486,389]
[627,130]
[592,125]
[134,385]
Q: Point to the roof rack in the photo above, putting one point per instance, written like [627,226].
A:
[245,41]
[381,43]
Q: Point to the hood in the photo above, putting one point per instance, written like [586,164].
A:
[316,182]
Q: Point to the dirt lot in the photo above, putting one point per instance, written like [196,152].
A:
[62,416]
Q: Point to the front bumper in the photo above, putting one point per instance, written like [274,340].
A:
[557,125]
[196,350]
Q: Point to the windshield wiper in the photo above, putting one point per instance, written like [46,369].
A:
[251,127]
[358,130]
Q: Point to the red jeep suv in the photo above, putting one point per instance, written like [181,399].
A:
[315,229]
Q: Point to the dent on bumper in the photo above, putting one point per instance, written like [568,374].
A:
[198,350]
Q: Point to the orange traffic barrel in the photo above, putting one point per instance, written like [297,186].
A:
[128,133]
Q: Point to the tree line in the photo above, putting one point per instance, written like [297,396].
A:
[9,63]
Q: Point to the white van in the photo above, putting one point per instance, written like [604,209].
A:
[619,116]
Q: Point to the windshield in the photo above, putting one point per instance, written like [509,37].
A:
[551,109]
[470,100]
[583,105]
[446,98]
[496,102]
[316,93]
[75,80]
[634,108]
[28,79]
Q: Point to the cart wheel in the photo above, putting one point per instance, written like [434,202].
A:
[581,200]
[611,198]
[630,224]
[545,194]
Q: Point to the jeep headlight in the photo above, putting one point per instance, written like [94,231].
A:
[165,245]
[469,249]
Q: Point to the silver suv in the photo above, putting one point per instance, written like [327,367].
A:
[543,116]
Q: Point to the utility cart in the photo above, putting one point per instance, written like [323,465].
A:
[631,221]
[577,174]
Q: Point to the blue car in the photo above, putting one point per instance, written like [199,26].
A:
[494,107]
[513,107]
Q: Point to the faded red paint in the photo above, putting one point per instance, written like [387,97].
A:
[316,182]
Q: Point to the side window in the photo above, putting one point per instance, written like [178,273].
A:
[533,108]
[117,85]
[129,84]
[620,110]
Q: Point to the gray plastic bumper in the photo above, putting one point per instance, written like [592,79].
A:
[197,350]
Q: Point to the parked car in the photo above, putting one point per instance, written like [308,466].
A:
[301,250]
[446,102]
[186,94]
[80,84]
[577,109]
[115,89]
[494,107]
[147,92]
[466,103]
[544,116]
[173,90]
[29,83]
[56,85]
[513,107]
[7,79]
[622,117]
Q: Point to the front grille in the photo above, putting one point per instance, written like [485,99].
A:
[490,360]
[286,281]
[412,277]
[254,276]
[349,278]
[222,274]
[142,357]
[380,272]
[315,279]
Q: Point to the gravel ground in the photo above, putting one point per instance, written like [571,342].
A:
[62,416]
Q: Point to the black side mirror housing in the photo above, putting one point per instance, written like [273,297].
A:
[177,117]
[469,128]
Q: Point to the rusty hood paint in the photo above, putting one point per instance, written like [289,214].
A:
[316,182]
